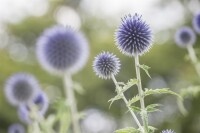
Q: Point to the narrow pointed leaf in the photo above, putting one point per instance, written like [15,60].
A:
[145,68]
[128,130]
[152,107]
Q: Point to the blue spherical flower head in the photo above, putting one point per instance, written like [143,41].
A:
[40,102]
[196,22]
[133,36]
[61,49]
[21,88]
[106,64]
[185,37]
[16,128]
[168,131]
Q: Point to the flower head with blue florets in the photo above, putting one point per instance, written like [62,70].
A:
[61,49]
[185,37]
[106,64]
[21,88]
[196,22]
[133,36]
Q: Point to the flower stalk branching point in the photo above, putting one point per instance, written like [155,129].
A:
[126,102]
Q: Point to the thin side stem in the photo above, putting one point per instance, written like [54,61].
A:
[182,107]
[126,102]
[35,119]
[194,59]
[69,93]
[140,91]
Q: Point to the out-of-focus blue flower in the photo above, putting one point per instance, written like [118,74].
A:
[41,103]
[61,49]
[16,128]
[185,37]
[168,131]
[21,88]
[133,36]
[106,64]
[196,22]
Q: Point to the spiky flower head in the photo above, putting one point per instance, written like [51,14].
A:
[61,49]
[185,37]
[21,88]
[133,36]
[196,22]
[16,128]
[40,102]
[168,131]
[106,64]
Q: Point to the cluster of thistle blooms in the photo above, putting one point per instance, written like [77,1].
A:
[185,36]
[60,50]
[133,38]
[23,91]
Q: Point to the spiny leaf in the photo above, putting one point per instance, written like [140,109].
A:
[134,99]
[117,97]
[129,84]
[136,109]
[160,91]
[128,130]
[152,107]
[152,129]
[145,68]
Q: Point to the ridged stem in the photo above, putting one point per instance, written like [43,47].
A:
[140,91]
[126,102]
[194,59]
[69,93]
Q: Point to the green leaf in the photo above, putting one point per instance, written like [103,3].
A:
[78,88]
[152,107]
[129,84]
[128,130]
[135,109]
[133,100]
[160,91]
[192,91]
[145,68]
[117,97]
[152,129]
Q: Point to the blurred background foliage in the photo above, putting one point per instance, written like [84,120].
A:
[21,24]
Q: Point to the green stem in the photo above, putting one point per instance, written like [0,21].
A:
[194,59]
[140,91]
[69,93]
[126,102]
[182,107]
[34,127]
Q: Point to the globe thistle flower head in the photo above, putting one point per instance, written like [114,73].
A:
[105,65]
[133,36]
[16,128]
[196,23]
[21,88]
[61,49]
[185,37]
[23,114]
[40,102]
[168,131]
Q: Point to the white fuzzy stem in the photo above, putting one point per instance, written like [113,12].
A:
[69,93]
[140,91]
[126,102]
[194,59]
